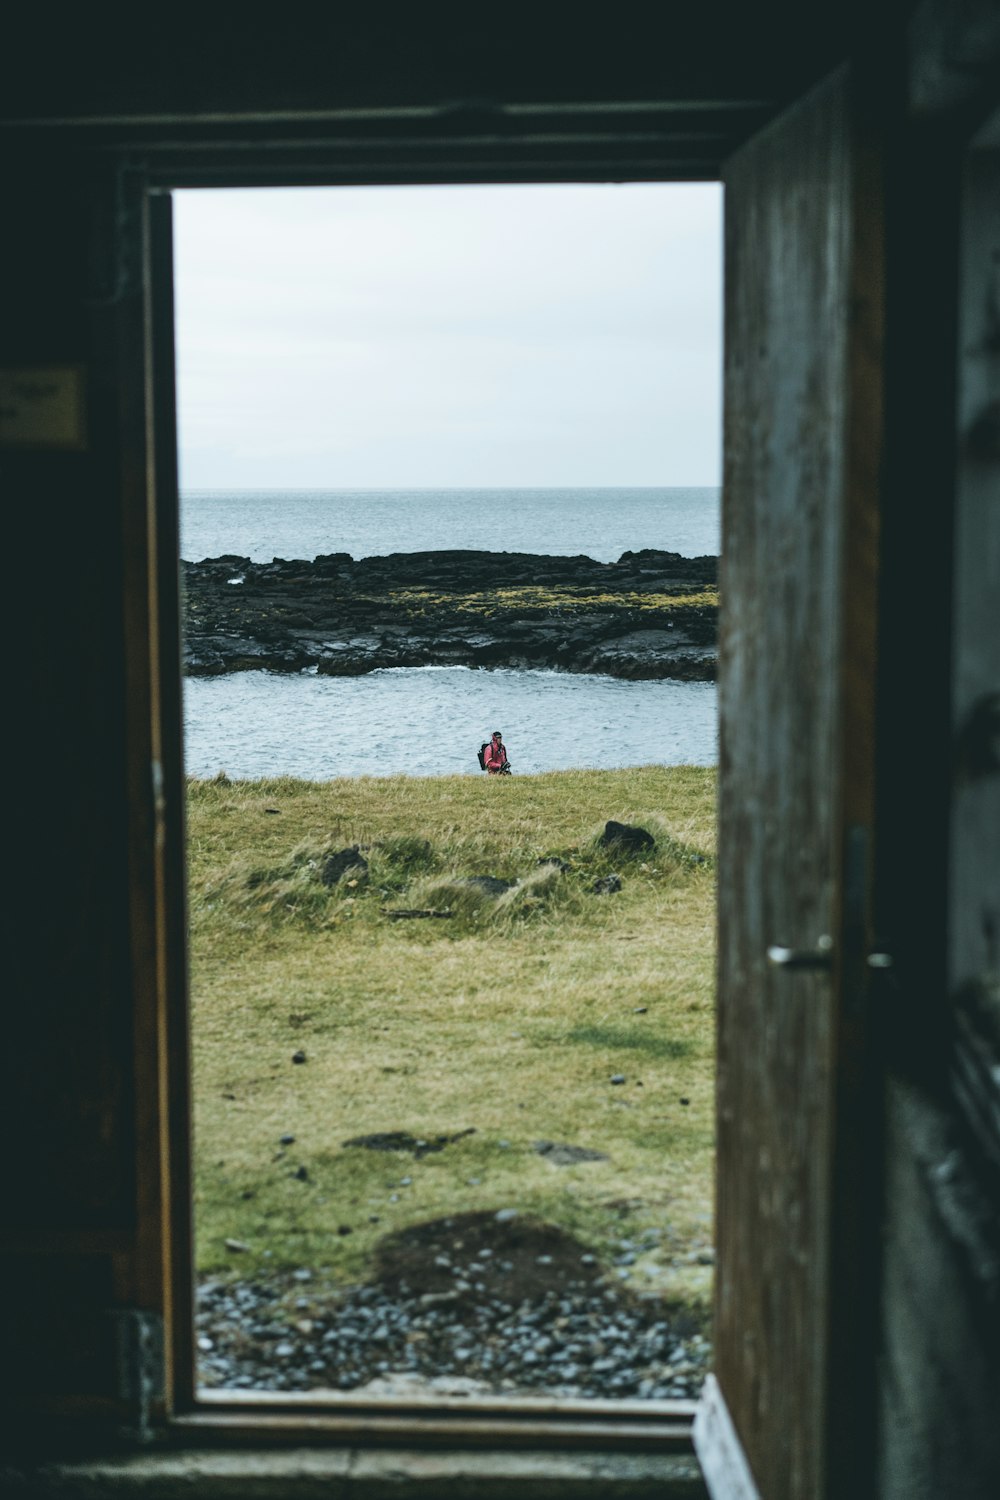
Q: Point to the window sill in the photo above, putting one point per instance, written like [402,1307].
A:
[352,1473]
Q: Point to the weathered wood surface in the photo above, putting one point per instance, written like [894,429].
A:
[974,876]
[940,1385]
[796,680]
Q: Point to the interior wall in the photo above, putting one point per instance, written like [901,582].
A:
[69,296]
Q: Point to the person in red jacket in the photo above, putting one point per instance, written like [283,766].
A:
[496,756]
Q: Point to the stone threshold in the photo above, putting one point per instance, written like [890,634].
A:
[358,1474]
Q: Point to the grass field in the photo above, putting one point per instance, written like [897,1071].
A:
[501,1024]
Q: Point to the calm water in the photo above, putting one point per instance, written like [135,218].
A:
[601,523]
[430,721]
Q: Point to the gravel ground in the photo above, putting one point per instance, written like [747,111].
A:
[291,1332]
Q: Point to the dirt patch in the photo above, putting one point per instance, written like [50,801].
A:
[503,1256]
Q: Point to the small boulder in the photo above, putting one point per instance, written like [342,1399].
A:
[489,884]
[624,836]
[344,862]
[607,885]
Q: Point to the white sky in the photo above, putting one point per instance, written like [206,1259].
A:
[449,336]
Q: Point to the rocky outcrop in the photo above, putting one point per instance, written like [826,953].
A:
[649,615]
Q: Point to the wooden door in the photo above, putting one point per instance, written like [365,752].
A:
[782,1416]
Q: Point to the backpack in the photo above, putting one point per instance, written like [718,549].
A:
[482,754]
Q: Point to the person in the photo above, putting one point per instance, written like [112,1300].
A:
[496,756]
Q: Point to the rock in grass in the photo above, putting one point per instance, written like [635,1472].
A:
[489,884]
[617,1078]
[298,1057]
[235,1247]
[402,1140]
[625,836]
[345,862]
[567,1156]
[607,885]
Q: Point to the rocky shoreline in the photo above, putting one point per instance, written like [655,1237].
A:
[650,615]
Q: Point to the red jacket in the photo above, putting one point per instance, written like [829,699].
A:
[496,757]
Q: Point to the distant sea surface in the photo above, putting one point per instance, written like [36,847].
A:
[599,523]
[430,721]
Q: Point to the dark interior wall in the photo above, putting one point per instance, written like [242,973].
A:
[68,1088]
[940,1367]
[938,893]
[147,62]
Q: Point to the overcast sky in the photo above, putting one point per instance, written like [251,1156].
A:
[424,337]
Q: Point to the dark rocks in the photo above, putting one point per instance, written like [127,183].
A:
[646,616]
[299,1056]
[591,1341]
[402,1140]
[607,885]
[624,837]
[346,862]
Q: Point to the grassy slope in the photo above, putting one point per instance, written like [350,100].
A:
[509,1017]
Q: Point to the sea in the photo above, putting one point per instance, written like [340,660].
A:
[430,721]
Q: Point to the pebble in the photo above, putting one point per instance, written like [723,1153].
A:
[617,1078]
[593,1342]
[298,1057]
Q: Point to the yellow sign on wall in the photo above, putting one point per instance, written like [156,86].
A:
[42,408]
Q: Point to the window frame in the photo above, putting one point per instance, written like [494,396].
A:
[661,1427]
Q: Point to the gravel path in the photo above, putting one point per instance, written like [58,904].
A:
[292,1332]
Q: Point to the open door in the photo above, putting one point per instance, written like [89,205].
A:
[783,1416]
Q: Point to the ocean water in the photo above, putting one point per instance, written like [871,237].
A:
[430,721]
[599,523]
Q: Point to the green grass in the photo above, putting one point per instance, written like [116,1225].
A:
[509,1016]
[546,600]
